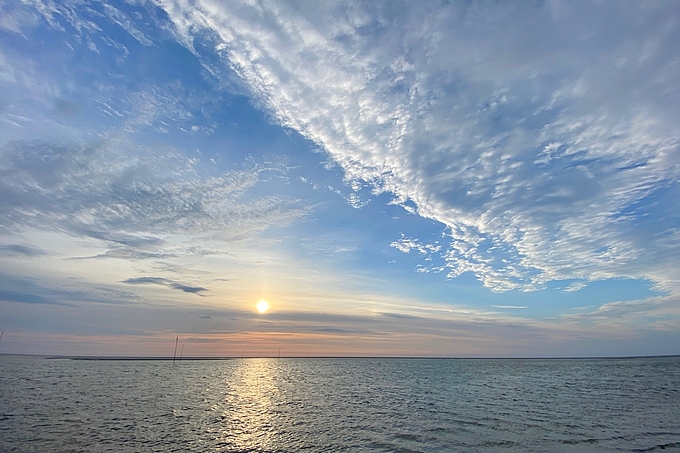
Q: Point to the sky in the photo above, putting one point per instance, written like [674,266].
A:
[445,179]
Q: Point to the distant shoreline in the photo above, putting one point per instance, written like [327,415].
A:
[185,359]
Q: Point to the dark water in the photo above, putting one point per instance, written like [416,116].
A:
[333,405]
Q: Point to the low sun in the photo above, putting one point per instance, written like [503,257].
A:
[262,306]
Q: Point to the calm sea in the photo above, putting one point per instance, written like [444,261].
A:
[339,405]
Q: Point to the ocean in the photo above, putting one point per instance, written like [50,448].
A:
[339,405]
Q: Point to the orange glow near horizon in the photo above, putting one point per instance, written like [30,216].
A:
[246,344]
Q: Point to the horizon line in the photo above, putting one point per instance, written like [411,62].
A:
[415,357]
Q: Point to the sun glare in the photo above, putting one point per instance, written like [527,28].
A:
[262,306]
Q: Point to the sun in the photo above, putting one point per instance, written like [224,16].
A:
[262,306]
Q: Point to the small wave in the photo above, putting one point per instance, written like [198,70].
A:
[660,447]
[499,443]
[393,448]
[580,441]
[407,436]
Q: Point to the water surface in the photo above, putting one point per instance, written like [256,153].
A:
[340,405]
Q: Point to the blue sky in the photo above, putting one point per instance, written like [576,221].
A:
[446,179]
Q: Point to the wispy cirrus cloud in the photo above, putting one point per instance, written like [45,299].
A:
[657,313]
[30,290]
[25,298]
[541,152]
[129,200]
[89,176]
[20,250]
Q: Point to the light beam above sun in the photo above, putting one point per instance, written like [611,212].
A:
[262,306]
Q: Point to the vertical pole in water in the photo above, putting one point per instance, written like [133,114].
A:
[279,358]
[175,354]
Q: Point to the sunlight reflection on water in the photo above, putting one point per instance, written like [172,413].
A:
[249,400]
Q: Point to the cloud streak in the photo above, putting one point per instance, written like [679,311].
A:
[20,250]
[165,282]
[44,291]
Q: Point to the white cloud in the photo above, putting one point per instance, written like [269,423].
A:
[540,136]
